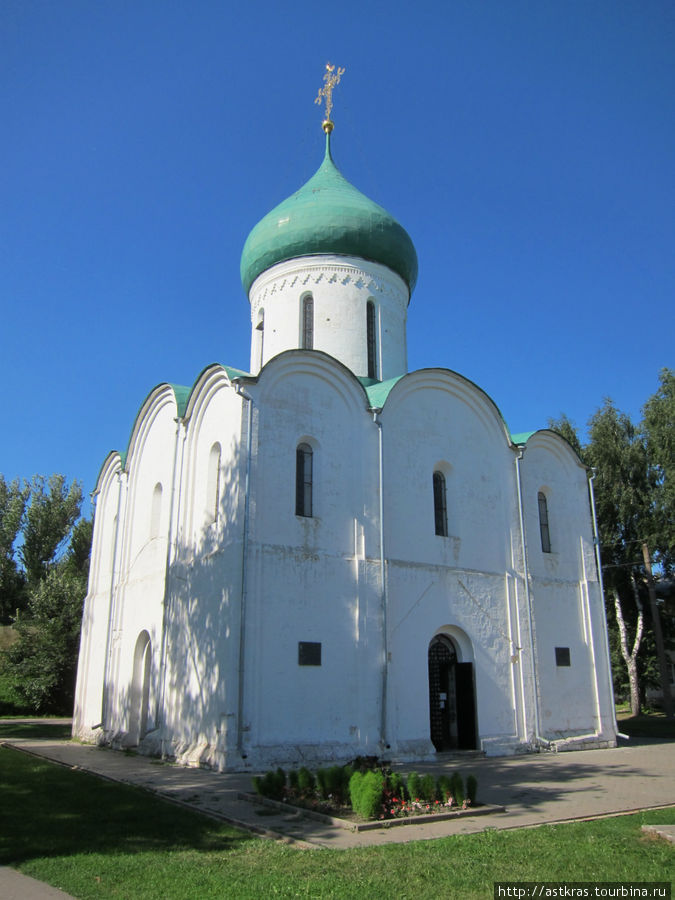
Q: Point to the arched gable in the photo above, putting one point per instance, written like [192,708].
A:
[449,383]
[213,422]
[324,369]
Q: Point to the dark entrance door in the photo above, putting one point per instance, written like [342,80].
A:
[452,713]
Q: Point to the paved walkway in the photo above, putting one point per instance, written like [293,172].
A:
[535,789]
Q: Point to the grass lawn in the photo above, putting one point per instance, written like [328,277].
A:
[651,724]
[95,838]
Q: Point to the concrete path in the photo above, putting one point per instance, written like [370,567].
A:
[535,789]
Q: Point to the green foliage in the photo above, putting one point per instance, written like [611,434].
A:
[471,789]
[13,498]
[365,791]
[396,785]
[49,520]
[427,787]
[457,788]
[413,783]
[333,783]
[306,781]
[49,590]
[43,663]
[658,427]
[444,788]
[271,784]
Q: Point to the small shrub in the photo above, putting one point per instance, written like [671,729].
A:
[293,781]
[471,789]
[444,788]
[396,785]
[428,788]
[306,782]
[413,785]
[457,788]
[322,788]
[337,783]
[271,784]
[366,792]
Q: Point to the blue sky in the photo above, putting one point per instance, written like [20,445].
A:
[527,147]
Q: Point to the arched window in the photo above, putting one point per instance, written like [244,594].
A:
[371,338]
[440,505]
[303,480]
[213,485]
[156,511]
[308,322]
[543,523]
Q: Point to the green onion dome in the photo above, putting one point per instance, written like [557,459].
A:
[328,215]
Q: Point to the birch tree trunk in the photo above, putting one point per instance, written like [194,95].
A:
[630,656]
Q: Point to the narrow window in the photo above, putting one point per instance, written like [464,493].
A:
[260,327]
[156,511]
[440,505]
[308,322]
[371,339]
[543,523]
[213,485]
[303,480]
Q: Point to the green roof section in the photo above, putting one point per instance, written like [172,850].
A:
[522,437]
[328,215]
[378,391]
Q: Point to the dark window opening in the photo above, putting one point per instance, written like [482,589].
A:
[562,656]
[543,523]
[303,480]
[308,323]
[309,653]
[371,339]
[440,505]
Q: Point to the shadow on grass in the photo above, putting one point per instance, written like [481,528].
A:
[647,725]
[35,730]
[48,810]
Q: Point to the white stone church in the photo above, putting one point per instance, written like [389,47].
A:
[330,556]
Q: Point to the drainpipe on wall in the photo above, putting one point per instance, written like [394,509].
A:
[171,548]
[244,553]
[598,562]
[528,599]
[385,643]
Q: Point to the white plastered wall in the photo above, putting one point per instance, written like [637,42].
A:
[467,584]
[341,287]
[312,579]
[199,671]
[567,604]
[88,711]
[140,588]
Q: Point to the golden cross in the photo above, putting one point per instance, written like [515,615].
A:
[331,79]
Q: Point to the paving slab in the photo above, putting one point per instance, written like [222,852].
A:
[534,789]
[16,886]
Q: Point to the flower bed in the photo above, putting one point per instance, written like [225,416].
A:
[367,794]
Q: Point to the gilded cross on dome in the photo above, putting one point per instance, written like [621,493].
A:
[331,79]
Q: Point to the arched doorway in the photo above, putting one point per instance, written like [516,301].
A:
[452,708]
[140,689]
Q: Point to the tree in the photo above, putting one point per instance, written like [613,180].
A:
[658,427]
[53,510]
[44,660]
[624,502]
[13,497]
[54,564]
